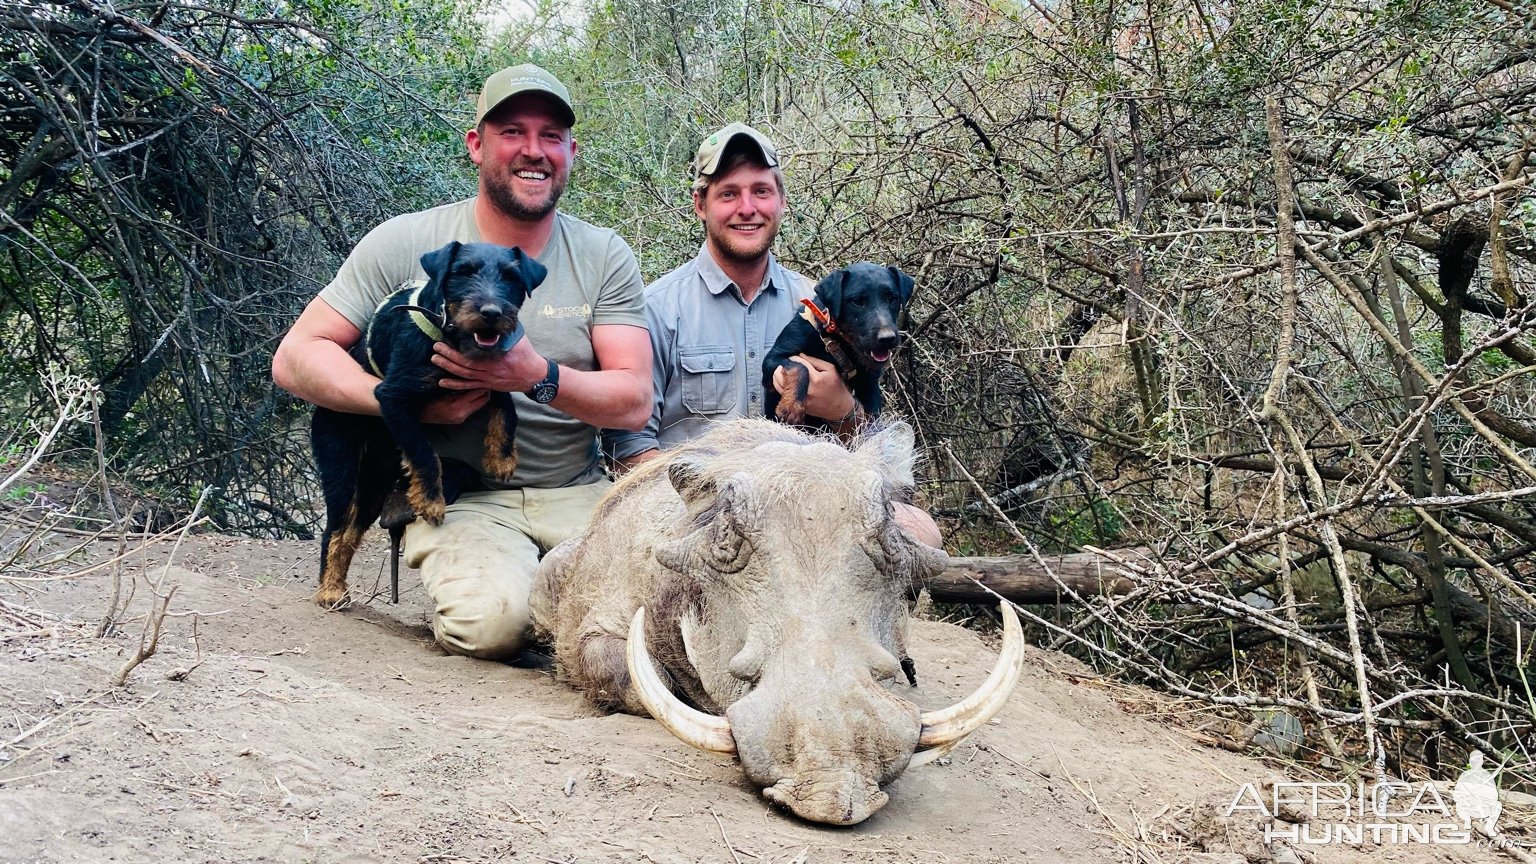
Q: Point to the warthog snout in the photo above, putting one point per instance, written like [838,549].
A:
[824,747]
[837,797]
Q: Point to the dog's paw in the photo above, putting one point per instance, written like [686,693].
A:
[499,466]
[429,506]
[790,412]
[331,599]
[432,510]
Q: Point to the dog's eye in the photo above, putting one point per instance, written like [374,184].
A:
[860,301]
[466,268]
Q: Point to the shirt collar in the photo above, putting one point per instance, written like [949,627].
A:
[716,280]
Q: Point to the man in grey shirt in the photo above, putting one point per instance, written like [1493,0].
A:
[584,363]
[712,319]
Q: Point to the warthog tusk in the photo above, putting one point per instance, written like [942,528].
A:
[942,730]
[692,726]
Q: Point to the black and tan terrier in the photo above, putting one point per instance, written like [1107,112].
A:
[851,323]
[471,301]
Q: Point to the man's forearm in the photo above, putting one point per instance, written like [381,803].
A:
[608,398]
[321,372]
[617,395]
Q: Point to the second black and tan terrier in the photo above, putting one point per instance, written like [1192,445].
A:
[852,323]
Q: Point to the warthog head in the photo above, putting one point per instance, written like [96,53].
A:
[796,579]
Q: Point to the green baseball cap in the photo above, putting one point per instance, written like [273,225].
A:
[524,78]
[708,159]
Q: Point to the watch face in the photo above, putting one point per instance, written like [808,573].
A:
[544,392]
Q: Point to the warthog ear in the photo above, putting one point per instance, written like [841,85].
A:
[891,448]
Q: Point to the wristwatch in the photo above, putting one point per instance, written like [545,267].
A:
[545,391]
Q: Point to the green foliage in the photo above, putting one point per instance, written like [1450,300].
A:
[24,491]
[1099,523]
[167,211]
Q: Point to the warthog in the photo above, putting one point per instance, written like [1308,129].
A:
[757,573]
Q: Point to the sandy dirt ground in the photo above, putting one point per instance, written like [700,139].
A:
[302,735]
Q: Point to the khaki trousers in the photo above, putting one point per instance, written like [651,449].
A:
[478,565]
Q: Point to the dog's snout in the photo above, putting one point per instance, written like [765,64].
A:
[886,339]
[490,311]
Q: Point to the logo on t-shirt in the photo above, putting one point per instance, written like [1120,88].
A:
[550,311]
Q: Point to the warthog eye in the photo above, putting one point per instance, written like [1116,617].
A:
[718,548]
[728,549]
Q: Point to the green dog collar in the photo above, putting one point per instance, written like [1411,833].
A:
[422,322]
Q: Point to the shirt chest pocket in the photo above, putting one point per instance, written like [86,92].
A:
[709,378]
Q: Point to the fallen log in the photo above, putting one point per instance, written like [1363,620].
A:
[1022,579]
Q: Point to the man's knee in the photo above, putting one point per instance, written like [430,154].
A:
[483,626]
[478,573]
[919,525]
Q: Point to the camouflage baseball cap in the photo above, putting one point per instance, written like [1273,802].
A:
[708,159]
[525,78]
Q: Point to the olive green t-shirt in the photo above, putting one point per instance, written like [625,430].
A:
[593,279]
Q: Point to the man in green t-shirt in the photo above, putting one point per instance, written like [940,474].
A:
[586,362]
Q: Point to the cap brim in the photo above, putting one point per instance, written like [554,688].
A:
[771,159]
[567,114]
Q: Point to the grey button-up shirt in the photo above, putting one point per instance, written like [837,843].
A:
[707,347]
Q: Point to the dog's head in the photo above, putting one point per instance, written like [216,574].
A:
[864,300]
[481,287]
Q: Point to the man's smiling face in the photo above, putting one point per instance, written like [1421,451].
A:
[524,151]
[741,211]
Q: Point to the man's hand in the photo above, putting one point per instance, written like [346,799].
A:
[514,372]
[827,396]
[629,463]
[451,409]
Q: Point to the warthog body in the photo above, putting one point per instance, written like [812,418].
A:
[774,586]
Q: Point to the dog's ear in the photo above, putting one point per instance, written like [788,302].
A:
[830,290]
[437,262]
[532,271]
[902,283]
